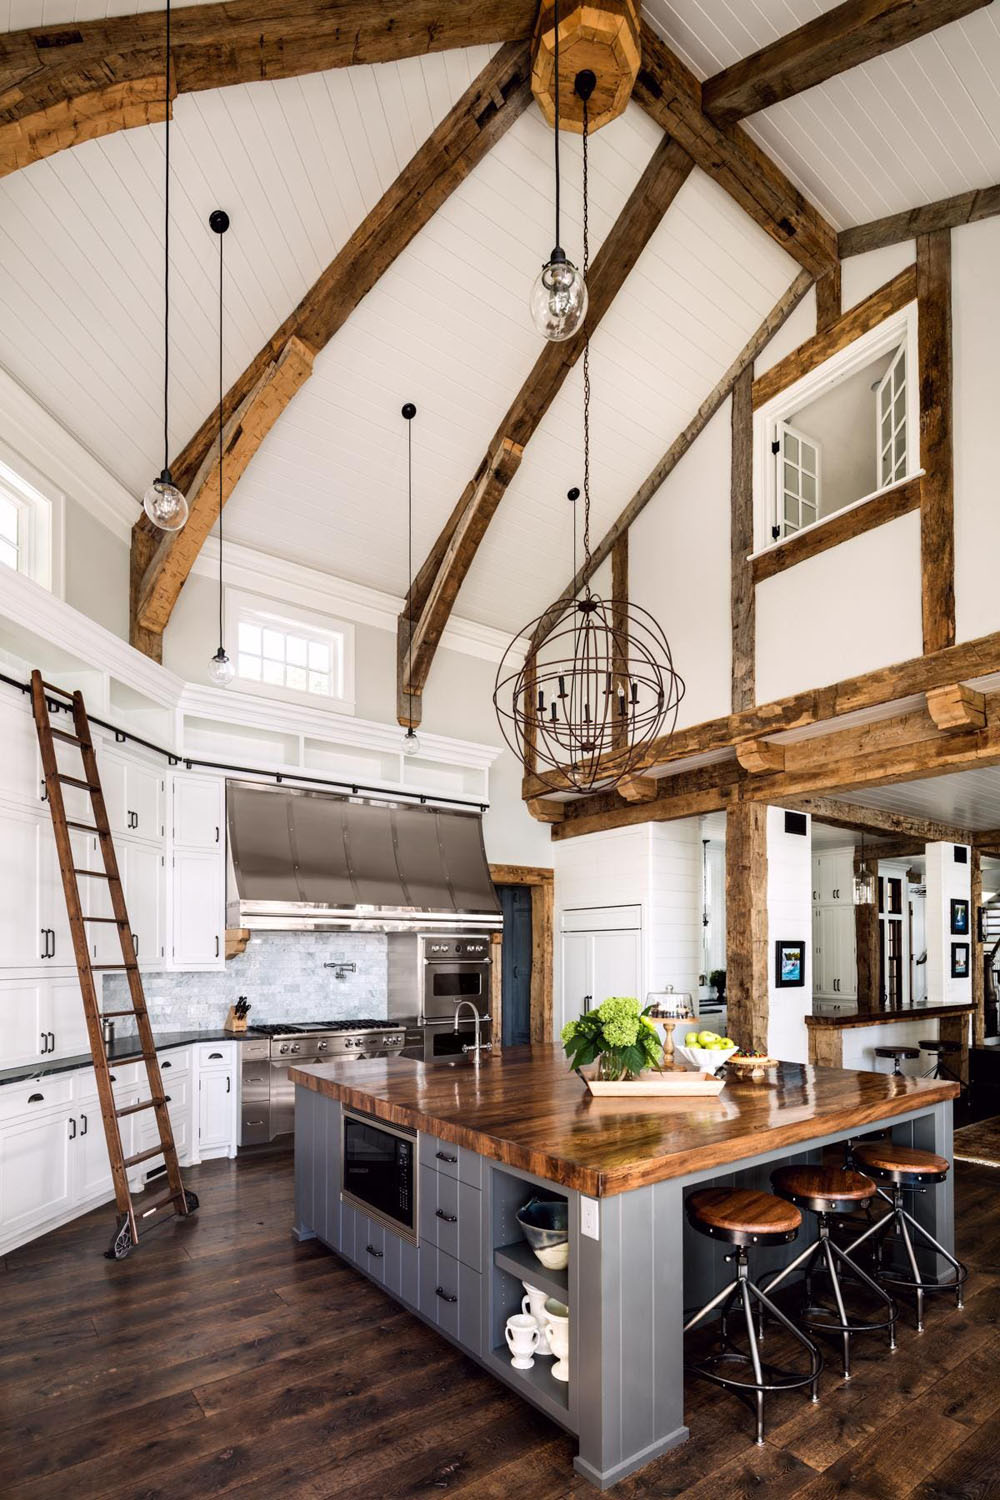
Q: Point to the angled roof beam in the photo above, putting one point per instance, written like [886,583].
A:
[435,590]
[484,113]
[672,96]
[946,213]
[829,44]
[60,85]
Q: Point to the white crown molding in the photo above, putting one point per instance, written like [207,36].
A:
[312,588]
[34,433]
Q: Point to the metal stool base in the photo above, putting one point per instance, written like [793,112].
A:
[901,1222]
[766,1377]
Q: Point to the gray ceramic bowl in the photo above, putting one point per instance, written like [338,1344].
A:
[546,1228]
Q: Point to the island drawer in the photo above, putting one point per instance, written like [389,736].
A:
[451,1296]
[451,1161]
[451,1216]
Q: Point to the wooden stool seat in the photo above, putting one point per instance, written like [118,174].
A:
[897,1051]
[742,1215]
[939,1046]
[822,1189]
[902,1163]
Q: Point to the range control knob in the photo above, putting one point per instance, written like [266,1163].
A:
[295,1046]
[321,1046]
[283,1047]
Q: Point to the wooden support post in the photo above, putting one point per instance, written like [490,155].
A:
[868,938]
[957,707]
[826,1046]
[977,953]
[619,620]
[496,990]
[828,302]
[746,925]
[541,880]
[741,534]
[937,510]
[956,1029]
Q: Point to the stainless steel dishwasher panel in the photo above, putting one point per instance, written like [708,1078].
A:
[255,1091]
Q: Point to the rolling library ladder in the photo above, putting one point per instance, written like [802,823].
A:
[177,1200]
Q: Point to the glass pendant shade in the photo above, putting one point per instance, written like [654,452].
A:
[411,743]
[164,504]
[864,888]
[220,669]
[558,300]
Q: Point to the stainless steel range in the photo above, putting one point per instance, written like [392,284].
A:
[267,1097]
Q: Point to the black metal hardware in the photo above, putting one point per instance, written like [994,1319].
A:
[378,1254]
[36,1098]
[84,1119]
[439,1213]
[775,532]
[166,1064]
[439,1291]
[775,446]
[52,1041]
[216,945]
[45,1045]
[215,1057]
[73,1130]
[443,1156]
[229,1084]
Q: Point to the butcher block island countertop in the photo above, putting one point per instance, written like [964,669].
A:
[524,1108]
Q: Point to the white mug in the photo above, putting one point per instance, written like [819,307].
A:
[534,1305]
[557,1329]
[521,1334]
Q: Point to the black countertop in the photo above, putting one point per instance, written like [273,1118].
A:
[122,1047]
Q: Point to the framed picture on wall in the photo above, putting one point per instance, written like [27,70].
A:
[959,960]
[960,916]
[789,964]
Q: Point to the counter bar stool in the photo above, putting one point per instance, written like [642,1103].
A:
[741,1218]
[830,1192]
[903,1168]
[939,1051]
[897,1054]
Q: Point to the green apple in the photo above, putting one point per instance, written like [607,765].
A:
[706,1038]
[692,1039]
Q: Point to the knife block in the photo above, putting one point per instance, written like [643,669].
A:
[235,1023]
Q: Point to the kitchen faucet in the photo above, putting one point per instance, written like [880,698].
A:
[480,1046]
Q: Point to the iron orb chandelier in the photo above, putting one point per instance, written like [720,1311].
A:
[601,688]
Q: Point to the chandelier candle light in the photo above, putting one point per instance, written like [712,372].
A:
[559,296]
[163,502]
[581,709]
[220,669]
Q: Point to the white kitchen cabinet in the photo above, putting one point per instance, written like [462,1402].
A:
[90,1161]
[41,1018]
[133,795]
[198,910]
[143,880]
[835,970]
[21,774]
[178,1090]
[21,940]
[598,964]
[216,1094]
[198,812]
[53,913]
[833,877]
[67,1022]
[36,1178]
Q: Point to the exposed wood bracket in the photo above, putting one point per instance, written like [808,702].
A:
[760,755]
[957,707]
[242,436]
[638,788]
[544,810]
[236,941]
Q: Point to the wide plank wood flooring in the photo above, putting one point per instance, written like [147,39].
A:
[224,1359]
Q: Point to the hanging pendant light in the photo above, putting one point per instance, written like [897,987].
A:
[411,740]
[580,711]
[220,669]
[865,892]
[163,502]
[558,301]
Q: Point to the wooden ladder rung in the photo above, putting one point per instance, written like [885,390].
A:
[105,968]
[87,786]
[119,922]
[71,739]
[61,692]
[161,1202]
[126,1057]
[134,1109]
[133,1161]
[96,874]
[106,1015]
[84,827]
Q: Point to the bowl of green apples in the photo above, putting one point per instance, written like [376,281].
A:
[705,1050]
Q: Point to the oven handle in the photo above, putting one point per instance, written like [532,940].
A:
[469,963]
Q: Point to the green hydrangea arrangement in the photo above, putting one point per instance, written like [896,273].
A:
[618,1034]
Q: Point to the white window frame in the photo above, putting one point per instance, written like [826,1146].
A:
[900,329]
[40,524]
[243,605]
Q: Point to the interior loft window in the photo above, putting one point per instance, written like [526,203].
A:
[285,653]
[842,434]
[26,527]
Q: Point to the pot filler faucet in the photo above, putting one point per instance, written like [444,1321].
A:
[480,1046]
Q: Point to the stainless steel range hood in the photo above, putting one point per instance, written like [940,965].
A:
[315,861]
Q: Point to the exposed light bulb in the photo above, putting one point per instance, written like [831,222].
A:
[411,744]
[164,504]
[220,669]
[558,300]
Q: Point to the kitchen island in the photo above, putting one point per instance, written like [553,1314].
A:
[846,1034]
[484,1140]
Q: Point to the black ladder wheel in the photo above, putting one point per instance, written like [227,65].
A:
[191,1200]
[121,1244]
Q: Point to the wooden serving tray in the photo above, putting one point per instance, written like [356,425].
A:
[670,1084]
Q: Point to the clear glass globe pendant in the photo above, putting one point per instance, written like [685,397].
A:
[558,300]
[164,504]
[411,743]
[220,669]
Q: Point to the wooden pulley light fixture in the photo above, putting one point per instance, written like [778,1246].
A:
[601,37]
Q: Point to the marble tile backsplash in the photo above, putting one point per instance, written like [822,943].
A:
[281,974]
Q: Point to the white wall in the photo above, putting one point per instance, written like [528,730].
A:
[789,919]
[674,939]
[976,335]
[946,880]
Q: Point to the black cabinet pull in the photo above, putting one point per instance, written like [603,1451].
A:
[166,1064]
[45,942]
[229,1084]
[216,945]
[73,1130]
[45,1042]
[84,1120]
[443,1156]
[36,1098]
[439,1291]
[52,1041]
[439,1213]
[215,1057]
[378,1254]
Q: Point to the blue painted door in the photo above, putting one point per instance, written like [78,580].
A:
[515,901]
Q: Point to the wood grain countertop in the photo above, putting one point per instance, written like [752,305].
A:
[524,1107]
[888,1017]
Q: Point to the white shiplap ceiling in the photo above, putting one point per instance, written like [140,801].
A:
[298,163]
[970,799]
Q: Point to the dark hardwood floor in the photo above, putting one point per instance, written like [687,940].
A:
[223,1359]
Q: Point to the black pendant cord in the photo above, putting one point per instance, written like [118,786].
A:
[409,412]
[555,13]
[221,496]
[586,350]
[166,266]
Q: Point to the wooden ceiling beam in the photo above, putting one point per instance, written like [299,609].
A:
[487,109]
[672,96]
[878,821]
[63,84]
[456,547]
[946,213]
[829,44]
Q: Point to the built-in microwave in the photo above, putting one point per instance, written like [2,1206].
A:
[379,1172]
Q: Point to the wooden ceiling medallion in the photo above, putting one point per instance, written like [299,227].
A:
[603,37]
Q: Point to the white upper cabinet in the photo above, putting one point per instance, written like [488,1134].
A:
[133,795]
[22,942]
[22,777]
[144,899]
[198,812]
[198,907]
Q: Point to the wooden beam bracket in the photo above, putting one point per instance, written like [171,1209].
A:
[756,756]
[957,707]
[638,788]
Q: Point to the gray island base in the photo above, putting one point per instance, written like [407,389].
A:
[634,1265]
